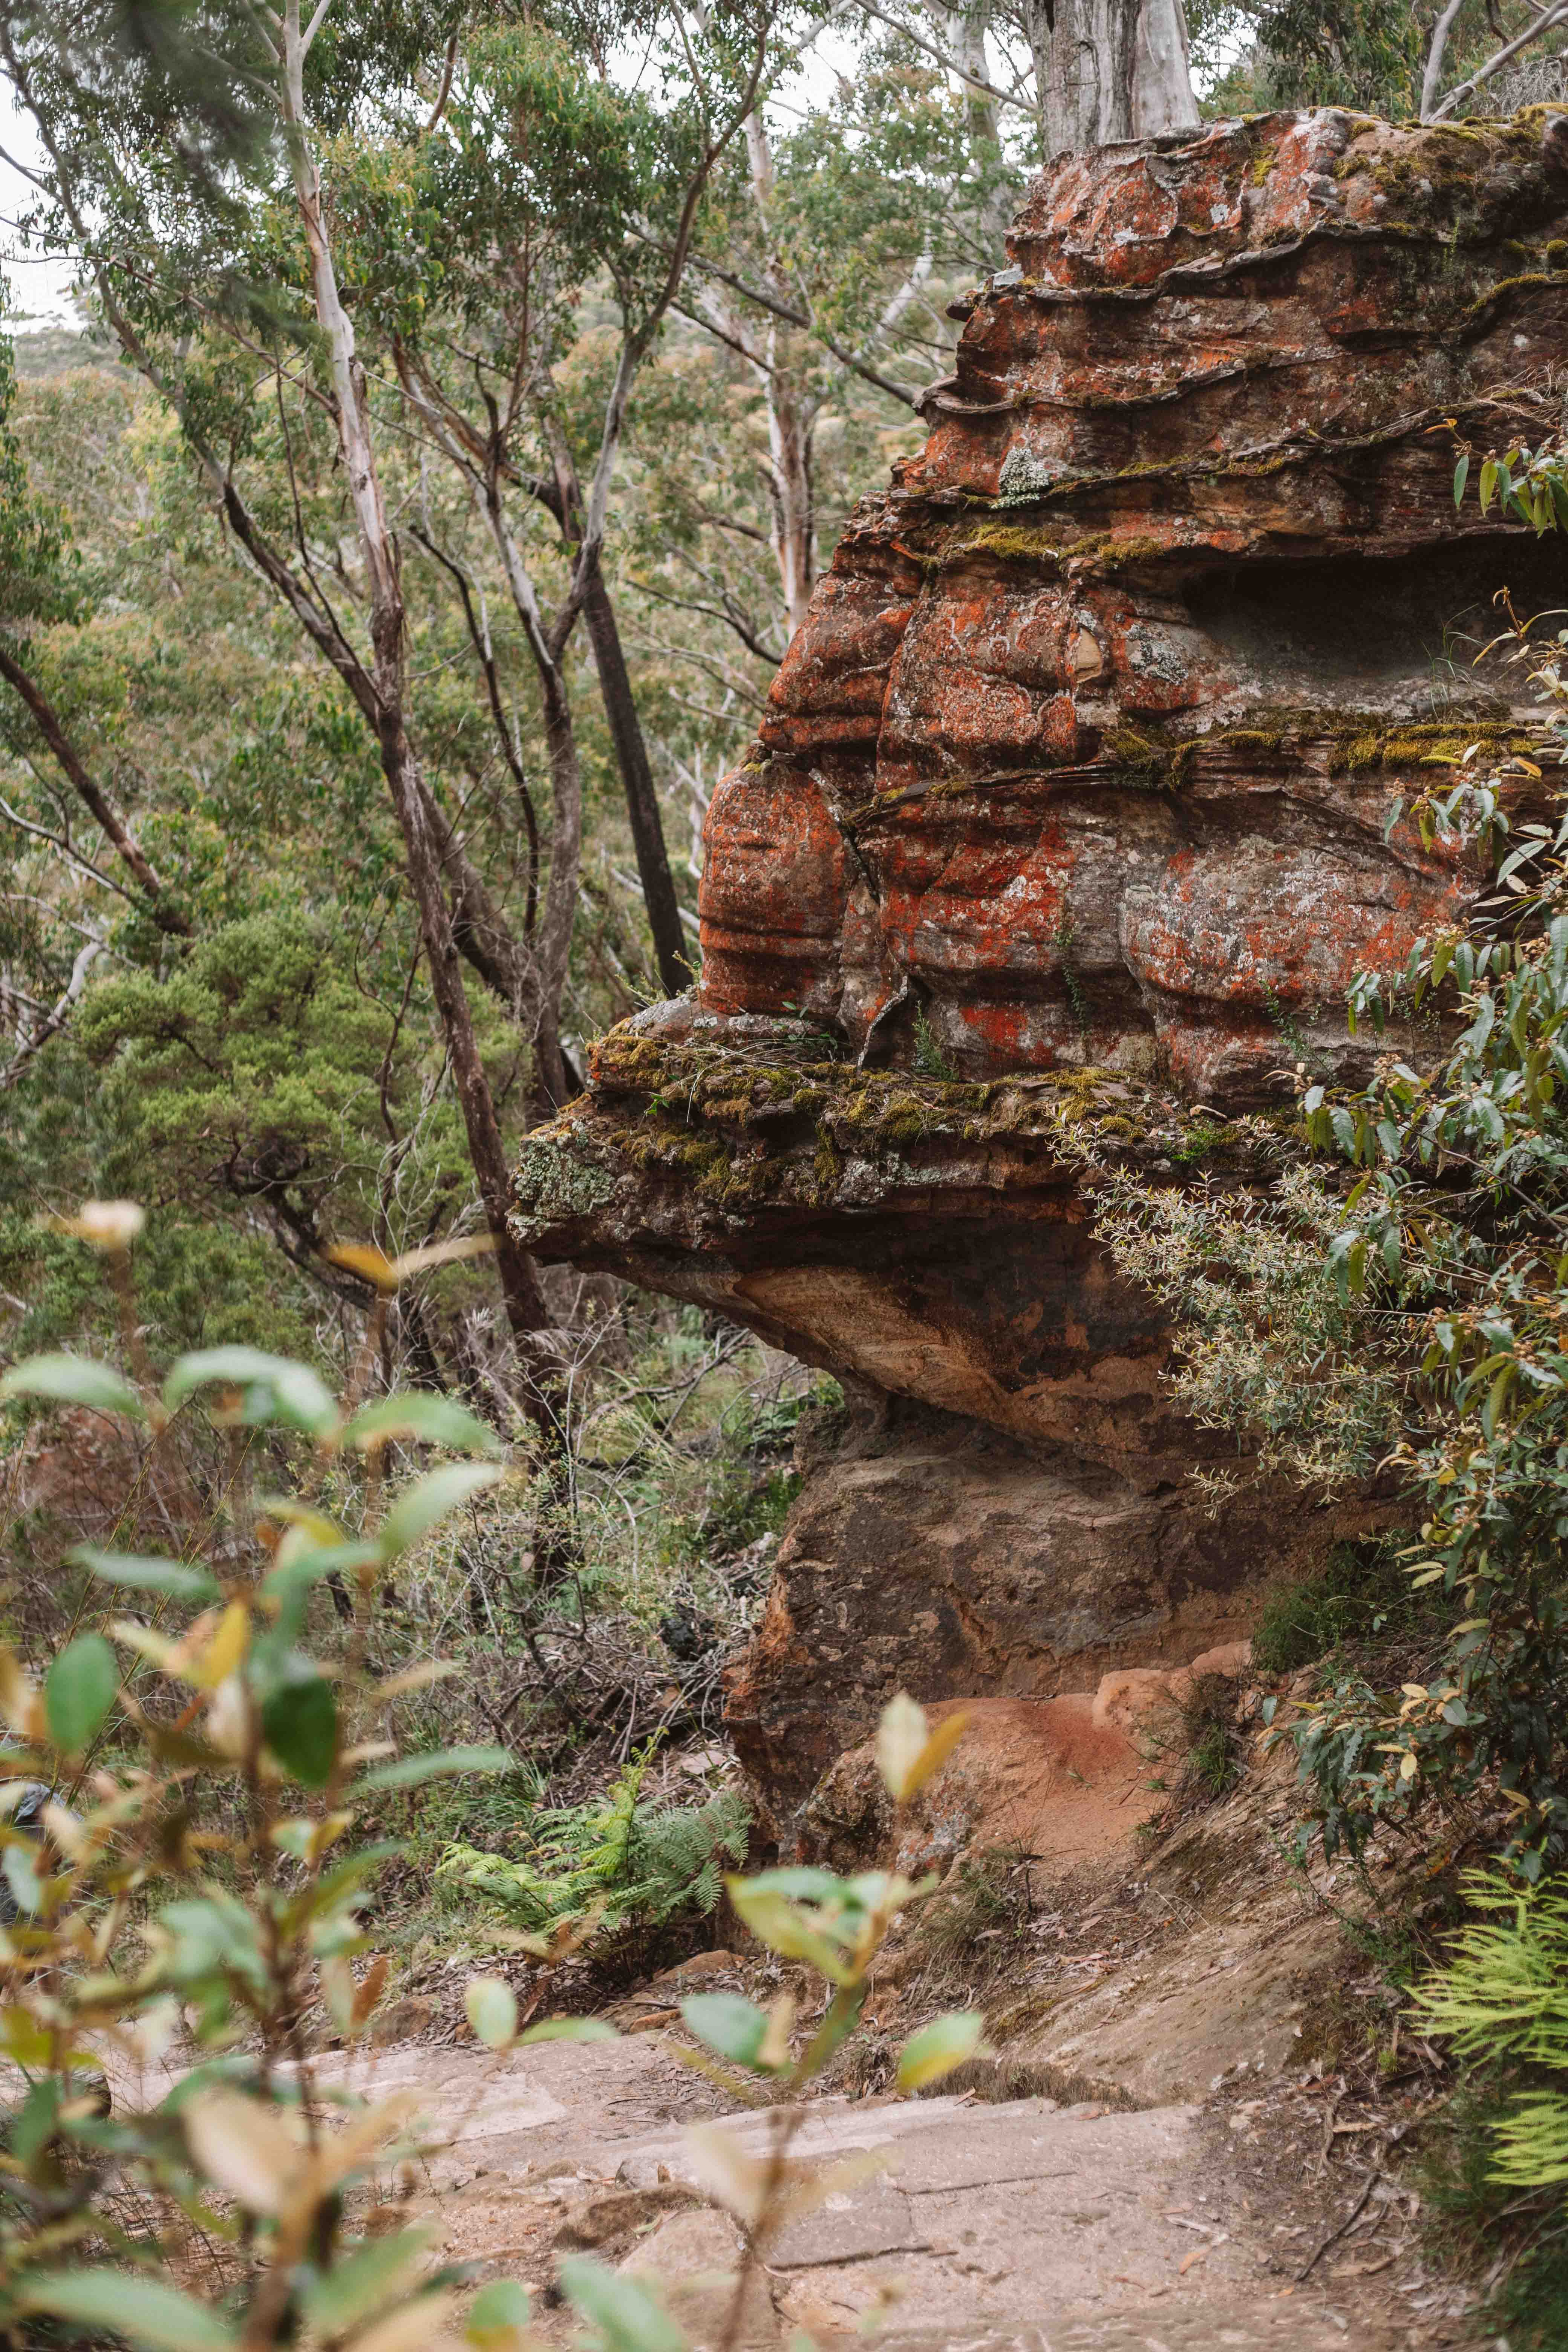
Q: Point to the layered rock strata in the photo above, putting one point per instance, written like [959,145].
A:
[1087,749]
[1088,783]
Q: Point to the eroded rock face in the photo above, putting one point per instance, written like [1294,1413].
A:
[1081,782]
[1088,746]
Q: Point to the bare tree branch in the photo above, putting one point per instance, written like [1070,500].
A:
[56,1019]
[46,719]
[1544,23]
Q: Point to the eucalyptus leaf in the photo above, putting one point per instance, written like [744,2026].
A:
[300,1724]
[490,2006]
[497,2312]
[274,1387]
[127,2304]
[409,1772]
[73,1379]
[79,1691]
[430,1499]
[946,2042]
[176,1578]
[429,1419]
[623,2313]
[727,2023]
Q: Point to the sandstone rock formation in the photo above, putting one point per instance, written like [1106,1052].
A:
[1087,785]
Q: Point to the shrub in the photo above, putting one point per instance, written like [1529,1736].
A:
[1502,1994]
[1211,1735]
[614,1865]
[209,1881]
[207,1874]
[1502,1997]
[1363,1594]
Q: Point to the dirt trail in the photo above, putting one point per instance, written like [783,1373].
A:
[987,2226]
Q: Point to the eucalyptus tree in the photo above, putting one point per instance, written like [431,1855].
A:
[228,273]
[1088,72]
[487,264]
[818,284]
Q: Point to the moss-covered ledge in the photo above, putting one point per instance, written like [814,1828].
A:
[702,1142]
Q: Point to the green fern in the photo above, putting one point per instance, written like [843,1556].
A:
[629,1864]
[1503,1994]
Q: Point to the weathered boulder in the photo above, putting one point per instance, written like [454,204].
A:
[1087,749]
[1087,782]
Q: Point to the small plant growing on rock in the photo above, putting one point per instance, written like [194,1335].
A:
[620,1863]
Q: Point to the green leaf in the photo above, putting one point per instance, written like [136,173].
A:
[427,1501]
[490,2006]
[430,1420]
[177,1578]
[727,2023]
[946,2042]
[34,2125]
[143,2309]
[362,2279]
[79,1691]
[73,1379]
[496,2311]
[22,1878]
[276,1387]
[409,1771]
[1461,476]
[300,1724]
[785,1929]
[622,2314]
[292,1573]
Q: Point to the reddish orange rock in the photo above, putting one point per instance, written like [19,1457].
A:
[1092,763]
[1088,746]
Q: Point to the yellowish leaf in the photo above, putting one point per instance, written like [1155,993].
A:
[223,1653]
[243,2148]
[416,1678]
[902,1736]
[155,1647]
[314,1527]
[773,2049]
[419,2327]
[369,1990]
[229,1716]
[65,1831]
[20,1704]
[722,2166]
[936,1751]
[416,1261]
[370,1264]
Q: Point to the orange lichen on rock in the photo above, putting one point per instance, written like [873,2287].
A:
[1070,693]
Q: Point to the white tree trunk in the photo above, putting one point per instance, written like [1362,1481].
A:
[790,409]
[1110,71]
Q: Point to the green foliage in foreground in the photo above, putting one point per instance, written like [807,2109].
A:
[616,1865]
[1502,1995]
[213,1883]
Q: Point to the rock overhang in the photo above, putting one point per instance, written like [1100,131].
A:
[1087,780]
